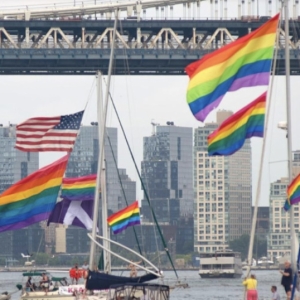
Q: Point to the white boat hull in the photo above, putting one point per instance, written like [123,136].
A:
[220,275]
[71,292]
[52,296]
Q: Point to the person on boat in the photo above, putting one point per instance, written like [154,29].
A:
[85,266]
[275,295]
[45,283]
[85,275]
[75,274]
[251,284]
[287,279]
[29,285]
[132,267]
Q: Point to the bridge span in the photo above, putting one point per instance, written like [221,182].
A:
[63,41]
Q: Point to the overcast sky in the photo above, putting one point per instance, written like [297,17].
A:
[139,100]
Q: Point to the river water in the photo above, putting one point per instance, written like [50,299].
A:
[200,289]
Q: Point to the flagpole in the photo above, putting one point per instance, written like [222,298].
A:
[262,157]
[98,180]
[289,127]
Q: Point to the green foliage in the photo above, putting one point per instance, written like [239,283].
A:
[242,245]
[2,262]
[41,258]
[54,261]
[187,258]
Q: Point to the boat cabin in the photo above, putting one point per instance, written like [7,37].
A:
[220,264]
[36,275]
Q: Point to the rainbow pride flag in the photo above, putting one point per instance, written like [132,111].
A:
[245,62]
[32,199]
[293,191]
[231,135]
[128,216]
[79,189]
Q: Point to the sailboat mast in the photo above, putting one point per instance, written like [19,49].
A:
[105,230]
[98,182]
[289,126]
[101,182]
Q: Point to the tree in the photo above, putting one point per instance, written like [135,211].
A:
[41,258]
[242,245]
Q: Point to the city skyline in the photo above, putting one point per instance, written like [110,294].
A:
[139,101]
[137,125]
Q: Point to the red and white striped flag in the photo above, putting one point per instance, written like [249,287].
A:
[49,133]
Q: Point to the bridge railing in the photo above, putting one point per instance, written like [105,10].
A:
[94,8]
[102,16]
[57,6]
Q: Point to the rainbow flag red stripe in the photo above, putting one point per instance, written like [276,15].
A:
[128,216]
[32,199]
[245,62]
[244,124]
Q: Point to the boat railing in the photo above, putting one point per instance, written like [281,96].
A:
[220,254]
[217,267]
[136,291]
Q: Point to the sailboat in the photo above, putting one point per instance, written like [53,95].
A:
[98,282]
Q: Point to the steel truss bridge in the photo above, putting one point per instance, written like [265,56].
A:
[78,40]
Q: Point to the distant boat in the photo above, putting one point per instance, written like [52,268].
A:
[28,262]
[265,262]
[221,264]
[7,296]
[245,263]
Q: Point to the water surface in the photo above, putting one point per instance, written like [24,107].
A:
[200,289]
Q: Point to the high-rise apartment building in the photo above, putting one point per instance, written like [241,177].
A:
[223,192]
[279,238]
[84,161]
[167,172]
[262,223]
[15,165]
[128,189]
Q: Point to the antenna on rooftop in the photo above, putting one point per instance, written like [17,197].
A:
[153,126]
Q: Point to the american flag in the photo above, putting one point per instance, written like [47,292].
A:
[49,133]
